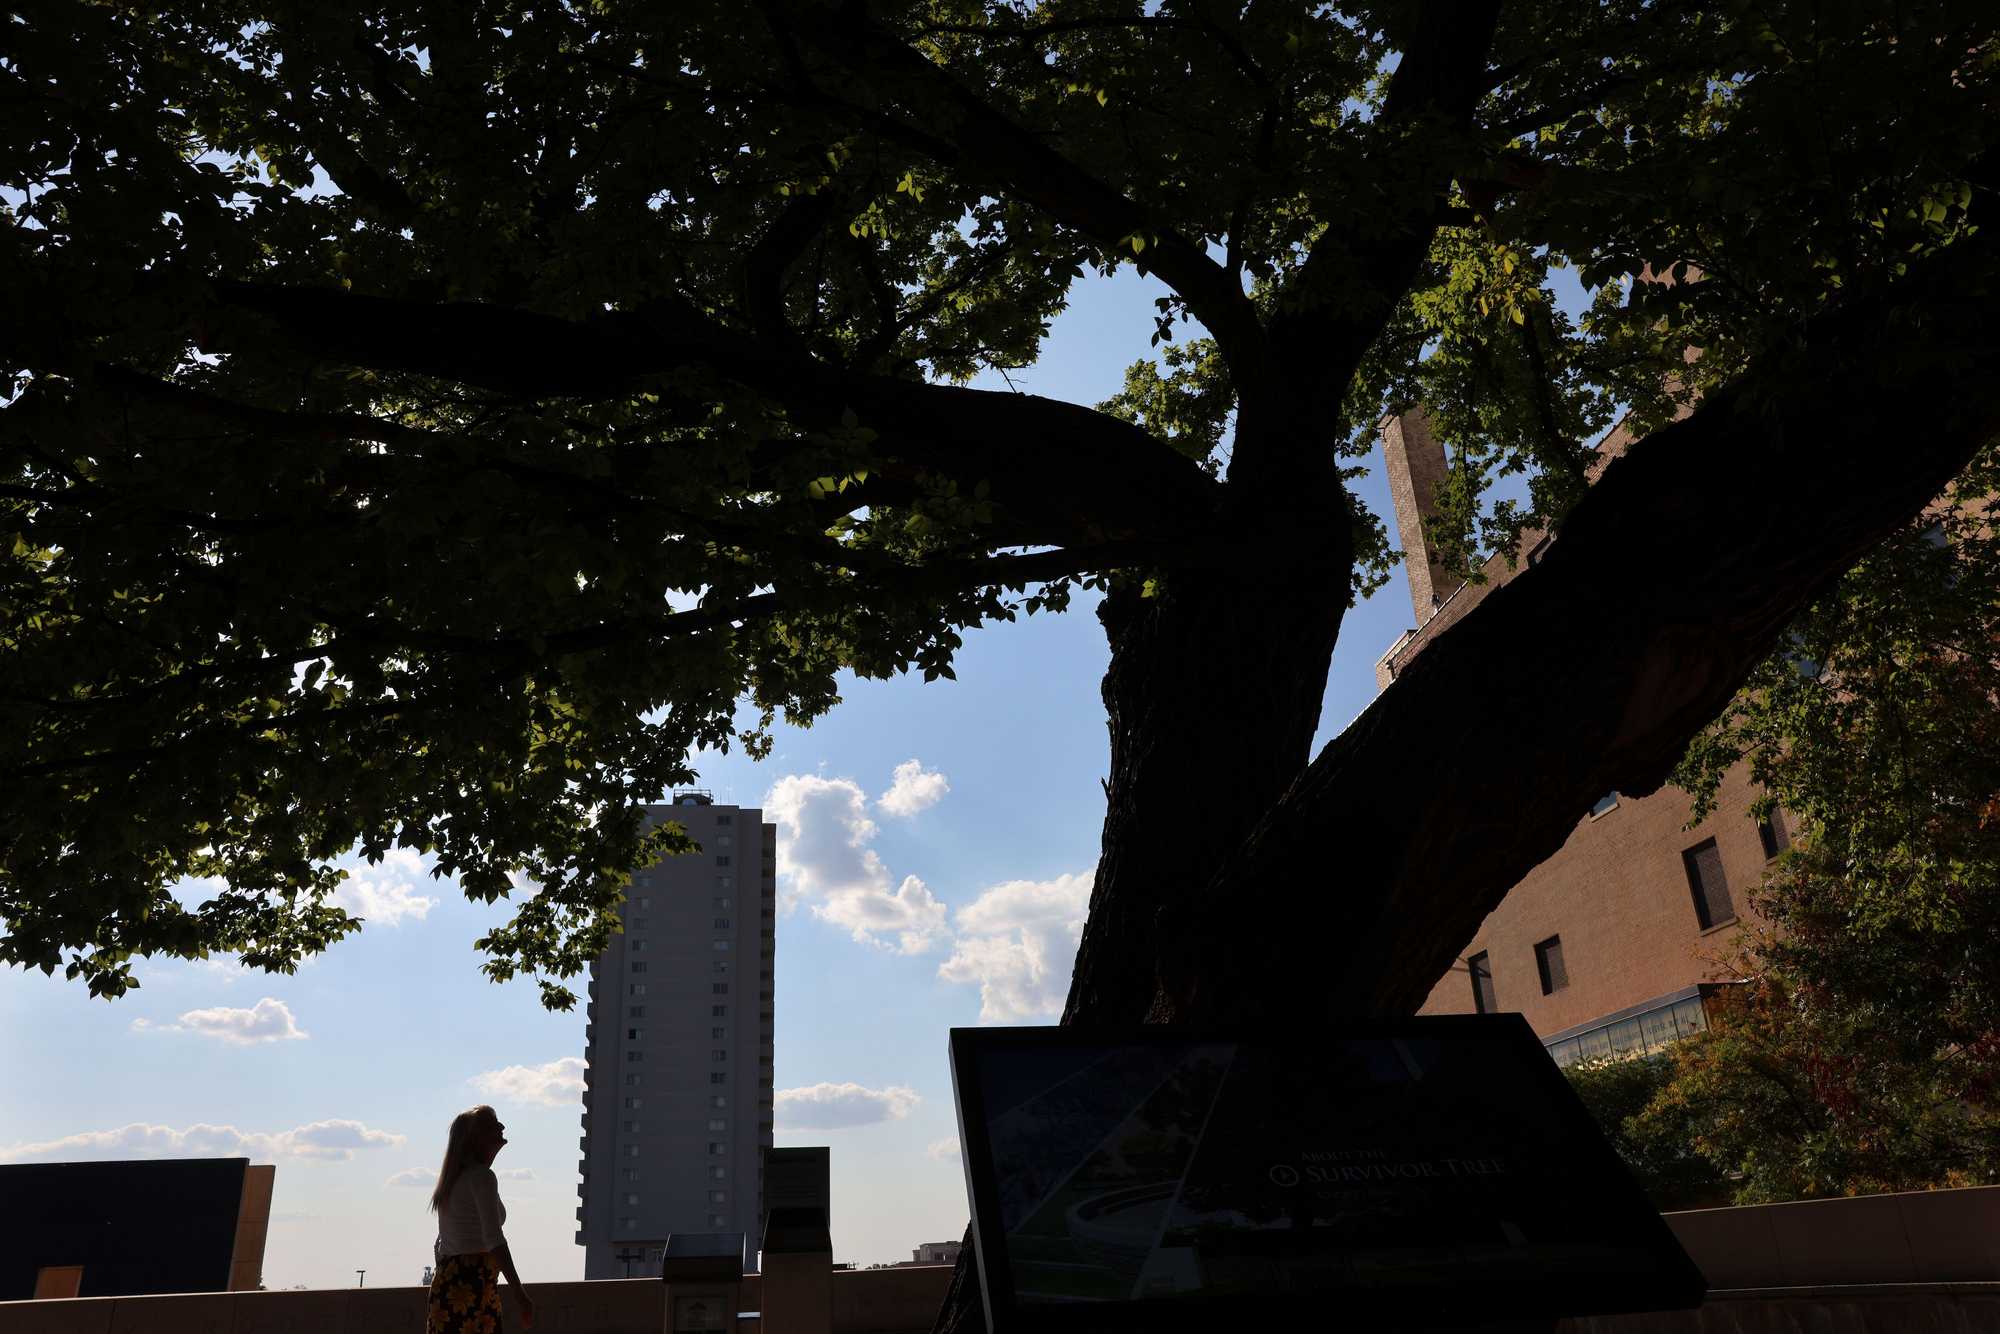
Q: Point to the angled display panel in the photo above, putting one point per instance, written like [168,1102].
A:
[1433,1170]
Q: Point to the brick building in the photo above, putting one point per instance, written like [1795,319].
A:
[1612,945]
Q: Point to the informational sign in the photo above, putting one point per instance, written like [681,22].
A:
[1427,1170]
[700,1315]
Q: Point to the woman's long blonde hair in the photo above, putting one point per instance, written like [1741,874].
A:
[456,1150]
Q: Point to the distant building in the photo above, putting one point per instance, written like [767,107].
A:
[678,1085]
[937,1253]
[1606,948]
[122,1229]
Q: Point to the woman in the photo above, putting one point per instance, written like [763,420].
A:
[471,1250]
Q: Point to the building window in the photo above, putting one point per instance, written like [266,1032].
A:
[725,818]
[641,945]
[718,1101]
[641,966]
[641,923]
[717,1220]
[638,988]
[720,944]
[635,1012]
[720,966]
[1481,969]
[723,840]
[1771,832]
[722,859]
[632,1104]
[634,1034]
[718,1077]
[722,903]
[719,1054]
[631,1151]
[1605,804]
[643,903]
[722,924]
[631,1174]
[718,1011]
[1712,904]
[718,1196]
[633,1080]
[635,1055]
[717,1034]
[718,1123]
[718,988]
[716,1148]
[1549,963]
[631,1200]
[628,1224]
[725,883]
[631,1127]
[718,1173]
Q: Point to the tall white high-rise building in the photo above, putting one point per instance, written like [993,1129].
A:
[677,1086]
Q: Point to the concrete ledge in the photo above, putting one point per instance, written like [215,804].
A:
[1932,1236]
[1857,1308]
[864,1301]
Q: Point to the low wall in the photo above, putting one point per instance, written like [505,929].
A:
[865,1301]
[1882,1308]
[1927,1262]
[1929,1236]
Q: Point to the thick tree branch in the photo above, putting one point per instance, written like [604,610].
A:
[770,262]
[1687,560]
[1115,480]
[1349,285]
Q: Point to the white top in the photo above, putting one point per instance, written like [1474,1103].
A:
[472,1214]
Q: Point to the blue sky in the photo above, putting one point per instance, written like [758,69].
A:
[347,1074]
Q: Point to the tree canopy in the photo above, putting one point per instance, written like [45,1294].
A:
[436,419]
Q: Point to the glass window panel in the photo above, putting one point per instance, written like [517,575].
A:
[1656,1028]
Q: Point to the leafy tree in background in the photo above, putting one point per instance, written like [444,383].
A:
[1864,1052]
[437,419]
[1659,1152]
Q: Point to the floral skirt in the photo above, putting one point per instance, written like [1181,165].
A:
[465,1296]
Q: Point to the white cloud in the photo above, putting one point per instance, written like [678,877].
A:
[944,1150]
[914,789]
[333,1141]
[1017,942]
[269,1020]
[912,914]
[840,1106]
[825,861]
[516,1174]
[386,894]
[557,1083]
[413,1176]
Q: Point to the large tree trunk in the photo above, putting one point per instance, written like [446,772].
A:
[1212,698]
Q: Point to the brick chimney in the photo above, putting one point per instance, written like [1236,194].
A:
[1415,461]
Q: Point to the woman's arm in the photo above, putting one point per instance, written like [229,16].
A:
[505,1258]
[486,1198]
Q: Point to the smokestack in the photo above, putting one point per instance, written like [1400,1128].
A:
[1415,461]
